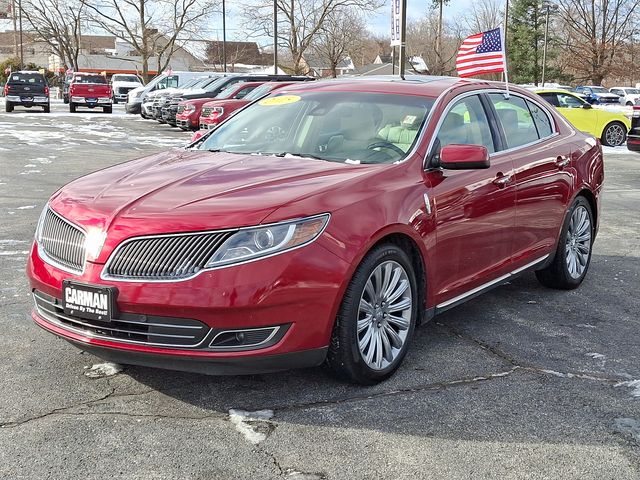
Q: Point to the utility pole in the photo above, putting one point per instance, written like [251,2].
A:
[224,37]
[275,37]
[15,28]
[546,39]
[21,41]
[403,38]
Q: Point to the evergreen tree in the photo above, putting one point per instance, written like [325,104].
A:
[525,40]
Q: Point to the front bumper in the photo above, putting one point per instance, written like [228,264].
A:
[299,289]
[633,143]
[133,108]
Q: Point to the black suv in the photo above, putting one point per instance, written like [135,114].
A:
[28,89]
[170,106]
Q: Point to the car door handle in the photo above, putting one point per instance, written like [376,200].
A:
[502,180]
[562,161]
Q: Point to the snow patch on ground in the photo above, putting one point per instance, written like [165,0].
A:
[628,426]
[247,423]
[622,150]
[26,207]
[634,385]
[585,325]
[11,242]
[6,253]
[595,356]
[100,370]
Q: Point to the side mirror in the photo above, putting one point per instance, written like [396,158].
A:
[586,106]
[464,157]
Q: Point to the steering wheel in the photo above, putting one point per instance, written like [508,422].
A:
[387,145]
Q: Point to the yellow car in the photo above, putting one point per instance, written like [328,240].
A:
[610,127]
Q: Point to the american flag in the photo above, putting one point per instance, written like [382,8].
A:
[481,53]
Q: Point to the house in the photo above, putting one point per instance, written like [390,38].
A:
[98,53]
[414,66]
[319,67]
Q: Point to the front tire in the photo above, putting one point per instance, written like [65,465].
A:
[377,318]
[573,255]
[72,107]
[8,107]
[614,134]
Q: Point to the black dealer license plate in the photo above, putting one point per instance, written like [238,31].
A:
[88,301]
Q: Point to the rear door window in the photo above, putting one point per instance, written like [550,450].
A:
[517,121]
[541,119]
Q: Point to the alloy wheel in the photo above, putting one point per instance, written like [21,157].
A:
[578,242]
[384,315]
[614,136]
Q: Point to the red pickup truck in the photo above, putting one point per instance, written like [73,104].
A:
[90,90]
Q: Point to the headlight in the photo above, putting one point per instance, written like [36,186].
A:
[252,243]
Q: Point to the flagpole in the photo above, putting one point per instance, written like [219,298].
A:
[504,53]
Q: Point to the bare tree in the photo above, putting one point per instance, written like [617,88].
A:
[339,37]
[597,32]
[484,15]
[299,22]
[151,27]
[58,23]
[421,41]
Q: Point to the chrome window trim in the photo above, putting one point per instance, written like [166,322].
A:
[47,259]
[481,91]
[105,276]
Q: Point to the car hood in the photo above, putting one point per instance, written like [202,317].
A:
[126,84]
[191,190]
[605,95]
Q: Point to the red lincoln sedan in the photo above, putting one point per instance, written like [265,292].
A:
[322,223]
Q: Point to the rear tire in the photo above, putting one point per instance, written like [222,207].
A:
[107,109]
[114,100]
[8,107]
[573,254]
[614,134]
[72,107]
[65,99]
[47,109]
[377,318]
[629,104]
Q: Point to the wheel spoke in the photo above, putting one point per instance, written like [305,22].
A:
[364,323]
[366,339]
[366,307]
[387,352]
[368,288]
[378,339]
[402,287]
[401,305]
[397,273]
[394,338]
[399,322]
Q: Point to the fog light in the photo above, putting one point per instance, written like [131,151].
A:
[248,338]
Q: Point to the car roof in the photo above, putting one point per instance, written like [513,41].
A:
[553,90]
[426,85]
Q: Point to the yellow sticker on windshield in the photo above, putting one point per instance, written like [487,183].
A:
[280,100]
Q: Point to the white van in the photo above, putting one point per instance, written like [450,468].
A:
[162,81]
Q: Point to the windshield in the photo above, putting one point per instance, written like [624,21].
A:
[89,79]
[260,91]
[125,78]
[351,127]
[194,83]
[217,84]
[631,91]
[26,78]
[229,91]
[599,90]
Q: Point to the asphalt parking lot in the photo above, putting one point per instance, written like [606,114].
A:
[521,383]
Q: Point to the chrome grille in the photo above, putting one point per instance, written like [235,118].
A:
[206,111]
[170,257]
[62,242]
[130,328]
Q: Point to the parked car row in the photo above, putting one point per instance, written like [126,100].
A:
[193,101]
[610,127]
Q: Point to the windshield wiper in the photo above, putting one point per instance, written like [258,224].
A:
[301,155]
